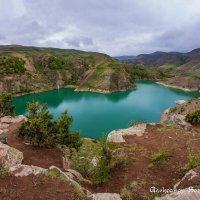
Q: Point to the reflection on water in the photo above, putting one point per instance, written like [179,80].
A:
[95,113]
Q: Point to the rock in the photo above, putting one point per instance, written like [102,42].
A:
[6,119]
[186,194]
[25,170]
[188,177]
[18,119]
[4,126]
[94,161]
[117,136]
[180,102]
[3,138]
[105,196]
[9,119]
[173,118]
[74,174]
[66,163]
[9,156]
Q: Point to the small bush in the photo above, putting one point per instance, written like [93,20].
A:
[126,194]
[193,118]
[193,158]
[6,104]
[102,171]
[159,158]
[40,130]
[173,109]
[2,171]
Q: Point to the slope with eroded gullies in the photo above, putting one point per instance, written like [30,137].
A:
[34,69]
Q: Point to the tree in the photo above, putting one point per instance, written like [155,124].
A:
[6,104]
[41,130]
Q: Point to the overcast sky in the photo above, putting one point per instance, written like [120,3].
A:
[115,27]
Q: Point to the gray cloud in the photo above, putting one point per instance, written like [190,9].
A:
[120,27]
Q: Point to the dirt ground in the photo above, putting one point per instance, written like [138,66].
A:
[42,157]
[138,176]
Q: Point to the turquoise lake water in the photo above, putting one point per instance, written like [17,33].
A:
[94,114]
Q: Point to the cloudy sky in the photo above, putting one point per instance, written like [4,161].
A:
[115,27]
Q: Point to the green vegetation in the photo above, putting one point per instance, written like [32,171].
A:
[126,194]
[2,171]
[167,66]
[173,109]
[165,75]
[11,65]
[55,63]
[160,157]
[193,159]
[193,118]
[6,104]
[40,130]
[102,171]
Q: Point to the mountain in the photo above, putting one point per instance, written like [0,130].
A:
[29,69]
[124,58]
[184,66]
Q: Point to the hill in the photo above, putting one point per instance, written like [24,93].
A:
[25,69]
[184,66]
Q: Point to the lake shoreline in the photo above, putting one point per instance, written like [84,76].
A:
[177,87]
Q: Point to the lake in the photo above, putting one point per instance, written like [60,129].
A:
[94,113]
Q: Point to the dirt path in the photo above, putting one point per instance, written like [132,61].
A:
[42,157]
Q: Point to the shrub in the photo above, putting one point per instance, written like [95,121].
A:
[2,171]
[102,171]
[193,159]
[6,104]
[12,65]
[159,158]
[126,194]
[40,130]
[193,118]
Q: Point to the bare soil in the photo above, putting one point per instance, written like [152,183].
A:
[42,157]
[138,176]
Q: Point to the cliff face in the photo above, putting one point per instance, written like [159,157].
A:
[30,69]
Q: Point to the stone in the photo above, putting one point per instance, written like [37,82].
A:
[94,161]
[25,170]
[3,138]
[72,173]
[19,118]
[180,102]
[66,163]
[185,194]
[117,135]
[105,196]
[6,119]
[187,177]
[9,156]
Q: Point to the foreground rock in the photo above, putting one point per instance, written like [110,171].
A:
[9,157]
[105,196]
[117,136]
[169,117]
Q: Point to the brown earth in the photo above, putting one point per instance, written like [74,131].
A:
[138,175]
[40,187]
[41,157]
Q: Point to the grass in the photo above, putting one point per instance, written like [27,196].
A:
[193,159]
[160,157]
[167,66]
[126,194]
[2,171]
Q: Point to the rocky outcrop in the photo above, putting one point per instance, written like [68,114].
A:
[105,196]
[169,117]
[9,157]
[117,135]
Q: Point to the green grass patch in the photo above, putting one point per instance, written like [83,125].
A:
[160,157]
[167,66]
[2,171]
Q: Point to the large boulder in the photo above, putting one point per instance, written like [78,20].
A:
[105,196]
[117,135]
[9,156]
[25,170]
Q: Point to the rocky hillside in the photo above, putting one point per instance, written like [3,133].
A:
[185,67]
[33,69]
